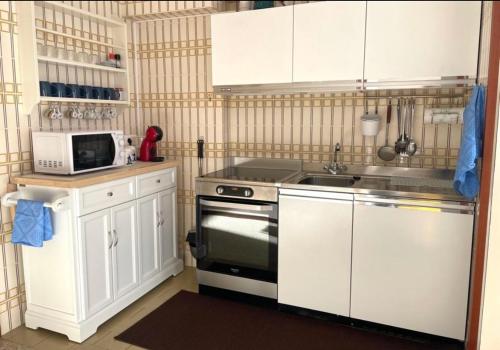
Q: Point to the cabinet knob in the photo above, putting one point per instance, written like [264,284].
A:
[158,181]
[110,194]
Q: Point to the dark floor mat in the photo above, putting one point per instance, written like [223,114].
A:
[193,321]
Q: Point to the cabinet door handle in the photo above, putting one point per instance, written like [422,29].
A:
[158,221]
[116,238]
[158,181]
[110,239]
[162,220]
[110,194]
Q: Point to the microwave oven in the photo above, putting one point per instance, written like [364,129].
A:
[75,152]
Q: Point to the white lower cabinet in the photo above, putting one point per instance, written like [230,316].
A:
[314,250]
[104,255]
[125,248]
[411,263]
[149,222]
[96,241]
[168,227]
[109,251]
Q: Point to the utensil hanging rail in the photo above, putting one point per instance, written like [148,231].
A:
[10,200]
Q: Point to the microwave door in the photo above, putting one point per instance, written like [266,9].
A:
[93,151]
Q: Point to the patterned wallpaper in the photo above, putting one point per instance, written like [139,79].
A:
[15,140]
[172,88]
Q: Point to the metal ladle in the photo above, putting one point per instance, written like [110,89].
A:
[387,153]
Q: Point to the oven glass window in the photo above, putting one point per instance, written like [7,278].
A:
[93,151]
[241,240]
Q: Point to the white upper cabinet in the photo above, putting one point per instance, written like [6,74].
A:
[252,47]
[328,41]
[421,40]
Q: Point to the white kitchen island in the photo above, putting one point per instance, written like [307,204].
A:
[114,240]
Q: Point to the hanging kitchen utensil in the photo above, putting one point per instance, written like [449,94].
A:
[201,144]
[387,153]
[411,147]
[400,146]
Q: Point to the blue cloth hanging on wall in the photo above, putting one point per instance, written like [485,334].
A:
[32,224]
[466,181]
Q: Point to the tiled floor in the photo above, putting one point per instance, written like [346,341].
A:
[23,338]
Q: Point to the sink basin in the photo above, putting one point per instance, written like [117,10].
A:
[333,181]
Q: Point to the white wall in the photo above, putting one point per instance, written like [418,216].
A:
[490,323]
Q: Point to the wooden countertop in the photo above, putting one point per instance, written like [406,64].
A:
[93,178]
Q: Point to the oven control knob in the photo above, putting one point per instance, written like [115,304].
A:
[248,193]
[220,190]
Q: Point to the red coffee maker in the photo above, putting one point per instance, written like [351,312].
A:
[149,152]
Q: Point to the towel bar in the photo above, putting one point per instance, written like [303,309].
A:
[9,200]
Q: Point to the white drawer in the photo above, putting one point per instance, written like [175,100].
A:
[155,182]
[106,195]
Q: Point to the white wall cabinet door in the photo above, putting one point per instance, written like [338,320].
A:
[314,253]
[418,40]
[252,47]
[410,267]
[168,227]
[148,222]
[96,244]
[125,253]
[329,41]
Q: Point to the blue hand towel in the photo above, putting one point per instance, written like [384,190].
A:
[32,224]
[466,181]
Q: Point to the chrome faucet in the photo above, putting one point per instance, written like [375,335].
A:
[335,167]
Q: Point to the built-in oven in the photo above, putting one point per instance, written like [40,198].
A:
[237,244]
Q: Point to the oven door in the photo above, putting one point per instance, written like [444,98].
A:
[238,237]
[94,151]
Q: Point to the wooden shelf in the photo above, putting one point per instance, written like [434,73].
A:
[75,37]
[82,100]
[81,64]
[68,9]
[29,60]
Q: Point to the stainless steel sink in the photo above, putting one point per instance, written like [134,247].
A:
[332,181]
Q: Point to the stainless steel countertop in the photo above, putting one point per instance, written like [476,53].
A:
[417,183]
[435,184]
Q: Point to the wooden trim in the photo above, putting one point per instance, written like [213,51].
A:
[93,178]
[479,254]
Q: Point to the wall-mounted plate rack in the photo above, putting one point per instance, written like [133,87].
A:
[35,27]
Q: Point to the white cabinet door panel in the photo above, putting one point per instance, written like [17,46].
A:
[168,227]
[96,244]
[125,261]
[252,47]
[329,41]
[410,268]
[314,253]
[148,216]
[409,40]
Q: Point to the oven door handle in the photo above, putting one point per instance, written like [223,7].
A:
[227,205]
